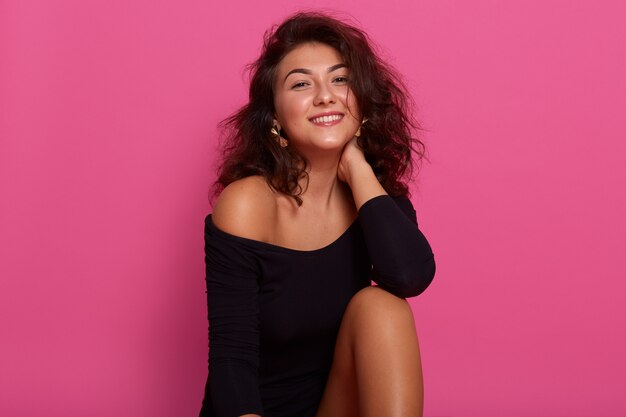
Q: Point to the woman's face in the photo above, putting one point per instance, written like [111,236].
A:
[314,104]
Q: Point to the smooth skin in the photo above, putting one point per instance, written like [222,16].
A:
[376,369]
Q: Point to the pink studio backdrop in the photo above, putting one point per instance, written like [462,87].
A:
[107,146]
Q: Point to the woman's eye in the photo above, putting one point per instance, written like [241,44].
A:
[300,84]
[341,80]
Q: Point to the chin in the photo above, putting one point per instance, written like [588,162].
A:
[332,143]
[328,143]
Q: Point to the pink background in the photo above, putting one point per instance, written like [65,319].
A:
[107,128]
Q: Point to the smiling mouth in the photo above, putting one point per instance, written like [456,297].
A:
[330,119]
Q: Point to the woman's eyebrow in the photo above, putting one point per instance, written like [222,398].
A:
[308,72]
[336,67]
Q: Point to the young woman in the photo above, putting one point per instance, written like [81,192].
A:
[313,206]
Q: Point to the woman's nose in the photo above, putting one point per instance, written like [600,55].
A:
[324,96]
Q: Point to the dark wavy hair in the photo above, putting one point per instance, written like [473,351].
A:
[387,139]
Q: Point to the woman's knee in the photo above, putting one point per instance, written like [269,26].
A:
[373,305]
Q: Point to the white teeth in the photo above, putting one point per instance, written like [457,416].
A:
[326,119]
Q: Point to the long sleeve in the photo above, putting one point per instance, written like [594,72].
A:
[232,290]
[402,259]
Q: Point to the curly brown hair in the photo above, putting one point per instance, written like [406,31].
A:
[388,139]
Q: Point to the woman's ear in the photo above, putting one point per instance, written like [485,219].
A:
[276,125]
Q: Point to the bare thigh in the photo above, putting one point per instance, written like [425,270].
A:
[376,368]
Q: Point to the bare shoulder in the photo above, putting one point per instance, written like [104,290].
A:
[246,208]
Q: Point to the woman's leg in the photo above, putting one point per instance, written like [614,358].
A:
[376,368]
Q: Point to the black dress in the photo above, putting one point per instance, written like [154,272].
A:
[274,312]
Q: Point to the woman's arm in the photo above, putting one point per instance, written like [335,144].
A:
[232,273]
[358,174]
[402,259]
[232,288]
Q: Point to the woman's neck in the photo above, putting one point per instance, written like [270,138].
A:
[323,185]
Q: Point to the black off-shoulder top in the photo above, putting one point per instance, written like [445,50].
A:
[274,312]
